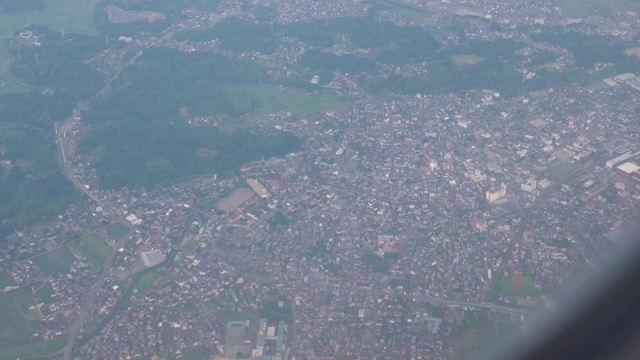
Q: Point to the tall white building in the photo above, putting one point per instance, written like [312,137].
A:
[494,194]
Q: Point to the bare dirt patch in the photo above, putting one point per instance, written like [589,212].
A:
[515,280]
[538,122]
[635,51]
[235,200]
[72,147]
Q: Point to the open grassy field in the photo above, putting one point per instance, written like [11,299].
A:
[94,248]
[146,281]
[33,349]
[70,15]
[490,332]
[499,316]
[14,86]
[56,261]
[582,8]
[17,297]
[14,328]
[462,60]
[471,341]
[503,287]
[505,329]
[6,280]
[272,99]
[496,331]
[44,292]
[16,331]
[117,230]
[191,245]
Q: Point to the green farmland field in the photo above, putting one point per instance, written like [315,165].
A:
[271,99]
[94,248]
[117,230]
[55,262]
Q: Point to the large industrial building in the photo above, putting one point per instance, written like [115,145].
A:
[152,258]
[629,170]
[617,160]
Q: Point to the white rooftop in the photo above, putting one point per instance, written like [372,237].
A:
[629,167]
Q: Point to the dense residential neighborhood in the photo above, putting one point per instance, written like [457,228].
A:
[405,223]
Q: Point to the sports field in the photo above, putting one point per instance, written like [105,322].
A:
[146,281]
[56,261]
[515,285]
[117,230]
[191,245]
[94,248]
[235,200]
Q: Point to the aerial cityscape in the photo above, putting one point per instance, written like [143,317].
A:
[307,179]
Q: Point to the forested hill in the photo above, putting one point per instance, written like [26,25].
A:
[32,187]
[140,139]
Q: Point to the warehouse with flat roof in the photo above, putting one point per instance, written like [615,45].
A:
[627,169]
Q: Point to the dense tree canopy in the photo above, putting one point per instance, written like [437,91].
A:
[32,188]
[140,137]
[56,65]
